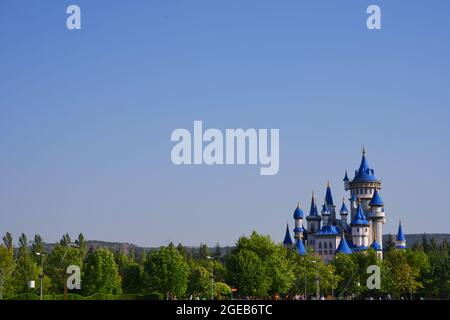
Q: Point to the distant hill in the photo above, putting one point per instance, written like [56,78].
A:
[127,247]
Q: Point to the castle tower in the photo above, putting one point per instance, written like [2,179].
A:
[330,205]
[343,212]
[300,247]
[353,206]
[360,230]
[346,182]
[298,217]
[377,219]
[364,183]
[313,220]
[400,240]
[326,215]
[287,242]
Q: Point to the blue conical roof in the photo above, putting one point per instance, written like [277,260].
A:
[343,247]
[325,209]
[364,173]
[360,218]
[328,196]
[298,213]
[400,235]
[353,198]
[313,209]
[343,207]
[287,238]
[300,247]
[375,246]
[376,200]
[346,179]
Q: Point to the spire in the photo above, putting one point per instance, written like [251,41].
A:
[353,198]
[400,235]
[344,209]
[328,196]
[376,200]
[287,238]
[360,218]
[300,247]
[343,247]
[313,210]
[346,179]
[325,210]
[298,213]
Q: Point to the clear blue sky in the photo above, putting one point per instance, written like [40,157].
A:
[86,116]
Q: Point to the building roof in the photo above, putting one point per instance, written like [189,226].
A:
[328,196]
[325,210]
[343,247]
[360,218]
[287,237]
[328,231]
[300,247]
[376,200]
[298,213]
[400,235]
[353,198]
[375,246]
[360,248]
[364,173]
[313,209]
[343,207]
[346,179]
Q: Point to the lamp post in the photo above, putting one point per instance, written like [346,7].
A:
[41,273]
[212,277]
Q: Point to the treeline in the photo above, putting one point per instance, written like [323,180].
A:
[255,267]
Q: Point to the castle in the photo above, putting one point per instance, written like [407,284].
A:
[327,235]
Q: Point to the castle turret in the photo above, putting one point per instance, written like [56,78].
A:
[287,242]
[364,183]
[326,215]
[300,247]
[360,230]
[298,217]
[346,182]
[313,219]
[330,205]
[400,240]
[343,212]
[377,219]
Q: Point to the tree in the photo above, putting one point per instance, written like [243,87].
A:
[26,267]
[38,244]
[217,252]
[56,264]
[277,271]
[221,290]
[166,272]
[247,272]
[199,284]
[132,278]
[347,269]
[100,273]
[8,242]
[404,277]
[65,240]
[203,251]
[82,244]
[7,265]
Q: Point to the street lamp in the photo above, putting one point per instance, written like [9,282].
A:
[212,277]
[41,273]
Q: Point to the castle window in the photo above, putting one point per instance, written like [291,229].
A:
[357,230]
[325,245]
[312,228]
[366,229]
[330,245]
[320,252]
[320,245]
[330,252]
